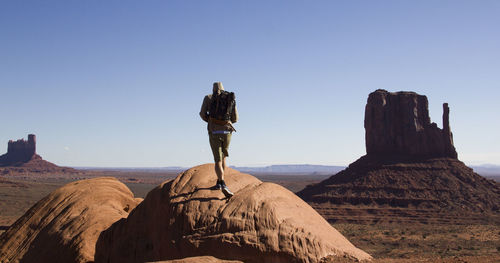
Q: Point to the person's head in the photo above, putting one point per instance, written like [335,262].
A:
[217,87]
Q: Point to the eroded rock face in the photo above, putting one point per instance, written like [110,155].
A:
[398,123]
[64,226]
[410,173]
[429,191]
[202,259]
[21,157]
[19,151]
[184,217]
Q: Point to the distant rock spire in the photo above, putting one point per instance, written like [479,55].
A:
[398,123]
[22,154]
[447,135]
[20,151]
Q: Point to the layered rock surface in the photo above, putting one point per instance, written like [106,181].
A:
[64,226]
[185,217]
[201,259]
[410,172]
[438,190]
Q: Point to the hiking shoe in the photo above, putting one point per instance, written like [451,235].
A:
[217,186]
[227,192]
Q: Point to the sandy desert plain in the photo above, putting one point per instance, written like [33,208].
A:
[386,242]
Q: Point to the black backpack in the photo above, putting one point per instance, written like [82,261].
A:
[222,105]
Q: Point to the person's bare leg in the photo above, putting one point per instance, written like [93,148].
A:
[222,167]
[224,163]
[219,170]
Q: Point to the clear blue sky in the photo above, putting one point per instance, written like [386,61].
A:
[120,83]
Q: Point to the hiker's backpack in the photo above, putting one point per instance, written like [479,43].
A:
[222,105]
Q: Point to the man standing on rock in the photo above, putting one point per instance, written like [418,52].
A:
[219,111]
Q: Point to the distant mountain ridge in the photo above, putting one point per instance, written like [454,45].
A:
[292,169]
[486,169]
[489,171]
[273,169]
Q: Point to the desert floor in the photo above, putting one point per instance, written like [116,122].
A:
[385,242]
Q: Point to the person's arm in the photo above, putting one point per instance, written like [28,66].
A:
[204,109]
[234,115]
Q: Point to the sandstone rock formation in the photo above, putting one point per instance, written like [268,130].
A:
[399,124]
[437,190]
[21,150]
[410,172]
[21,156]
[202,259]
[184,217]
[65,225]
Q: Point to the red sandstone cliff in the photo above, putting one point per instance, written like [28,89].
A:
[398,123]
[21,155]
[410,172]
[19,152]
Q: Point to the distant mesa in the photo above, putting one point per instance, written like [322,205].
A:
[410,172]
[22,154]
[291,169]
